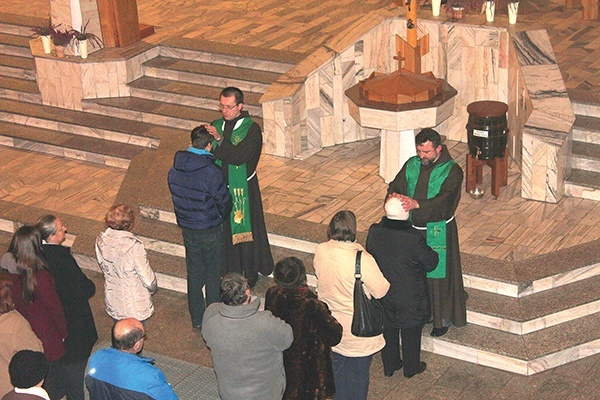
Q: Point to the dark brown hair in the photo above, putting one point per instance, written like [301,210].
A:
[26,246]
[342,227]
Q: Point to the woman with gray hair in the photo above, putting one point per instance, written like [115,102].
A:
[74,290]
[334,266]
[129,280]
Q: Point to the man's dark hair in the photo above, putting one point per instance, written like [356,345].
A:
[342,227]
[233,289]
[200,137]
[233,91]
[128,340]
[428,135]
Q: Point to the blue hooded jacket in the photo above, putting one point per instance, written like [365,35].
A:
[199,190]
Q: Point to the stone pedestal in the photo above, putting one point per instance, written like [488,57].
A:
[399,124]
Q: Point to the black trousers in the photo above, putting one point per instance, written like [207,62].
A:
[411,349]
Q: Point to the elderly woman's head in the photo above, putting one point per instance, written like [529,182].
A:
[342,227]
[120,217]
[6,303]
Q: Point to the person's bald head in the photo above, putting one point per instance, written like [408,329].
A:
[127,335]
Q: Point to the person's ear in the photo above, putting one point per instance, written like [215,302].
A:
[138,346]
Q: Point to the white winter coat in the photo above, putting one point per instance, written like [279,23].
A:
[128,279]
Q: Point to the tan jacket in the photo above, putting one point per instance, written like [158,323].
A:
[15,335]
[334,267]
[129,280]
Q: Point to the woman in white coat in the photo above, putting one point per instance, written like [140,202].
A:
[129,281]
[334,266]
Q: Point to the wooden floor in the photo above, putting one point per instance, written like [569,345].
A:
[55,183]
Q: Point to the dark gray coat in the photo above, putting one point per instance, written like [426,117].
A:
[247,347]
[404,258]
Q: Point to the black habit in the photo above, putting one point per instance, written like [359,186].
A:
[448,296]
[247,258]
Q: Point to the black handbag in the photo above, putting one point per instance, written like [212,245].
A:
[368,318]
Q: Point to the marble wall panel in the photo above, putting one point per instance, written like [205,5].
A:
[338,99]
[326,88]
[312,91]
[313,128]
[270,134]
[327,127]
[100,74]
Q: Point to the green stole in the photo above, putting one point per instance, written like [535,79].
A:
[436,231]
[241,229]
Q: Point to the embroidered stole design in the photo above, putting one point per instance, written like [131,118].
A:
[436,231]
[241,228]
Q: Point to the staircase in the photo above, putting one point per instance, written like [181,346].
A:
[584,180]
[524,317]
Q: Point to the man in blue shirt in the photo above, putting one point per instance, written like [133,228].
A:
[118,372]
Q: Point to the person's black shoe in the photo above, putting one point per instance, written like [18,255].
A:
[437,332]
[398,367]
[423,368]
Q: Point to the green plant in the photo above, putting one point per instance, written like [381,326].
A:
[61,38]
[80,35]
[44,30]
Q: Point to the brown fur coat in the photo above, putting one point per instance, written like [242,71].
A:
[307,362]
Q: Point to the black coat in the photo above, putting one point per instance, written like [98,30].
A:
[74,290]
[404,258]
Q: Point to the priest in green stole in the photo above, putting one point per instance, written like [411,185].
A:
[429,186]
[237,147]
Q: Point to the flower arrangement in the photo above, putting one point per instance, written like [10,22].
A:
[61,38]
[81,35]
[44,30]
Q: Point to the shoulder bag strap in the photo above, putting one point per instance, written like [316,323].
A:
[357,273]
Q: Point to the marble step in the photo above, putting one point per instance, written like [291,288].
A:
[518,280]
[586,109]
[585,156]
[521,354]
[586,129]
[213,52]
[209,74]
[14,45]
[517,316]
[17,67]
[154,112]
[188,94]
[536,312]
[583,184]
[67,145]
[80,123]
[20,89]
[19,25]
